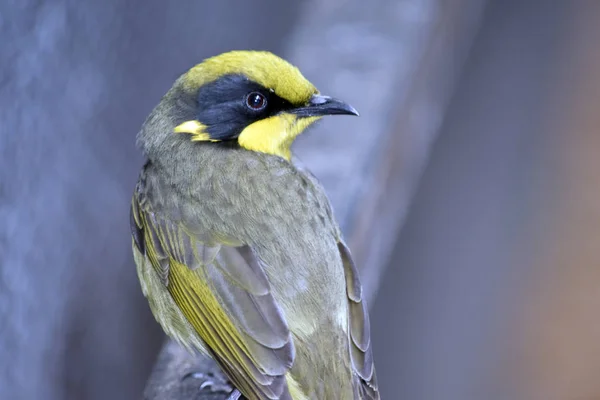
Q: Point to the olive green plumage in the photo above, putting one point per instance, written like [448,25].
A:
[236,246]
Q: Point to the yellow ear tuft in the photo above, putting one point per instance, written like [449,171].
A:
[196,129]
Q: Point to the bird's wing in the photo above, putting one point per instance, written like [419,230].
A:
[359,332]
[223,292]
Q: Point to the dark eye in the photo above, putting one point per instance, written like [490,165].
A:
[256,101]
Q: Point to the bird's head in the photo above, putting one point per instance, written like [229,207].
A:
[255,98]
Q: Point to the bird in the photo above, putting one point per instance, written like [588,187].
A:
[235,242]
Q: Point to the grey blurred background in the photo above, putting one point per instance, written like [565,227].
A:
[492,290]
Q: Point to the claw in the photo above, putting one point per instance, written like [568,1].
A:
[216,387]
[206,384]
[196,375]
[209,382]
[235,395]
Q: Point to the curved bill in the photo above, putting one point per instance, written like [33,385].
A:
[324,105]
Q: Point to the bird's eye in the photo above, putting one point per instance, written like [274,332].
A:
[256,101]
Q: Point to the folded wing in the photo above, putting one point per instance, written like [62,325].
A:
[223,294]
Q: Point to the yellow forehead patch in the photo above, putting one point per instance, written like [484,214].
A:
[262,67]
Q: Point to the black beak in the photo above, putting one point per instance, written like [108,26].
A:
[324,105]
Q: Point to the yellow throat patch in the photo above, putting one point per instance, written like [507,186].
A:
[274,135]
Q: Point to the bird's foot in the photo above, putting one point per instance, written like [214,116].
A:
[212,383]
[235,395]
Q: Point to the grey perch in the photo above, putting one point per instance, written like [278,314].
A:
[415,50]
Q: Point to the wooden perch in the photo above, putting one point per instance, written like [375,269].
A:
[396,62]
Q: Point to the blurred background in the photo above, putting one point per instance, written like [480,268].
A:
[469,189]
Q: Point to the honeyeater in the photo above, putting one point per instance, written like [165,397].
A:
[236,245]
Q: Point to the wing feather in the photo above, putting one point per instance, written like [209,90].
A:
[223,293]
[361,353]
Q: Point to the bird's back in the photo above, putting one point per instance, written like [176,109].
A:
[284,214]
